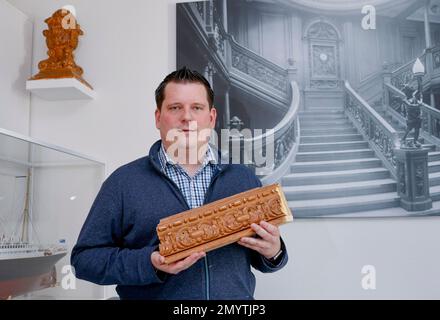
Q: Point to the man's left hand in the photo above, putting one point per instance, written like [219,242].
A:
[269,243]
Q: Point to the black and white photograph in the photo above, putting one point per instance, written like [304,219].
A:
[337,82]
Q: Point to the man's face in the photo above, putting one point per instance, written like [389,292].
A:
[185,113]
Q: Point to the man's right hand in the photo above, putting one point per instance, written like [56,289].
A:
[158,262]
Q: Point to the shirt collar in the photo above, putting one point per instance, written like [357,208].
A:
[165,159]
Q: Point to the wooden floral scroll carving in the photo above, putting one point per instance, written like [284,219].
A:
[61,39]
[221,222]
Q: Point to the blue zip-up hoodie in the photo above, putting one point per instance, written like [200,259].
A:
[119,235]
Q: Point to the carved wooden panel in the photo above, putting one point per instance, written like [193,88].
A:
[221,222]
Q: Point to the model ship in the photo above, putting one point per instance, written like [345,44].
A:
[26,266]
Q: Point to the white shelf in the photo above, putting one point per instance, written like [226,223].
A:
[60,89]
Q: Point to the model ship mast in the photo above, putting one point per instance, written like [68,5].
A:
[25,223]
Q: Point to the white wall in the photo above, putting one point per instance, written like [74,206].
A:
[125,52]
[15,68]
[327,257]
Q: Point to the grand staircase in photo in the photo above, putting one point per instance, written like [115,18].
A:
[340,162]
[336,172]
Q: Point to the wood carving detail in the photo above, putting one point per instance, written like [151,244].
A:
[61,39]
[220,222]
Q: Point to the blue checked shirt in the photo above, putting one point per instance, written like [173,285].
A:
[193,189]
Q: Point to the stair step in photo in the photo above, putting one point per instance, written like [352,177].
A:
[332,123]
[335,146]
[334,155]
[334,206]
[325,117]
[297,179]
[337,165]
[339,190]
[331,138]
[328,131]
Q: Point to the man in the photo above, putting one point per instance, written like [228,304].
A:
[118,243]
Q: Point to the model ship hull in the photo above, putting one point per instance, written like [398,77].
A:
[19,276]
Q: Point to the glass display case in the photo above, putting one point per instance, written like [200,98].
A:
[45,194]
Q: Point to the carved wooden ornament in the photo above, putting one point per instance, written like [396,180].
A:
[221,222]
[61,39]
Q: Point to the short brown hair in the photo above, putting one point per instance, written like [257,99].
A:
[183,75]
